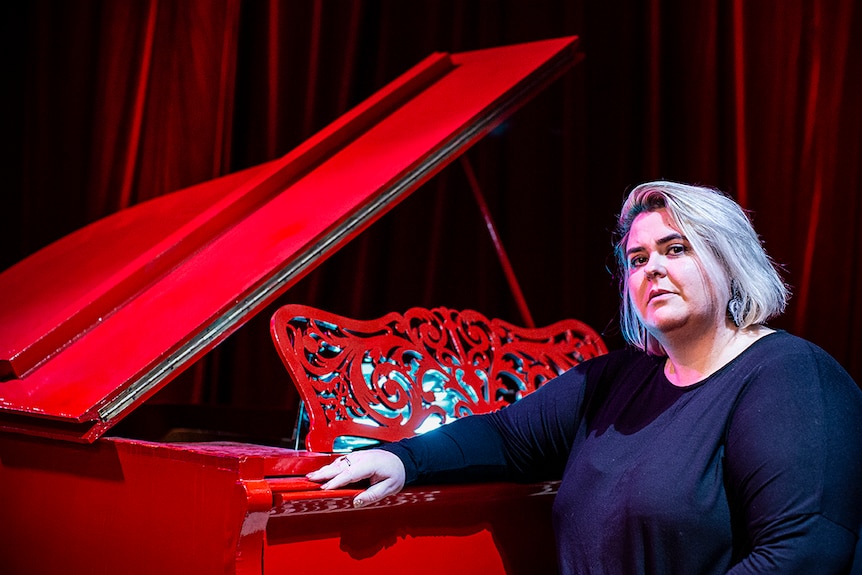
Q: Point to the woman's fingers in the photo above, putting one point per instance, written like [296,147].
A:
[383,469]
[333,471]
[377,492]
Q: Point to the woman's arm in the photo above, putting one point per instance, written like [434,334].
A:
[794,467]
[525,441]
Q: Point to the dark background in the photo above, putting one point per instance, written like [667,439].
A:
[110,103]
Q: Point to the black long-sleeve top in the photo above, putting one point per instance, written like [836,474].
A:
[756,469]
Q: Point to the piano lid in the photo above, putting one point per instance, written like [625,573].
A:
[100,320]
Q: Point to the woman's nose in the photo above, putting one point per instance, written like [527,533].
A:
[655,266]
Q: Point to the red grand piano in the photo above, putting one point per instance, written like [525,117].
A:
[94,325]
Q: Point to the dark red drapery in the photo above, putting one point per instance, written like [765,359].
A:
[113,103]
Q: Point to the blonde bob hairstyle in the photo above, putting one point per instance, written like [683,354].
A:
[736,268]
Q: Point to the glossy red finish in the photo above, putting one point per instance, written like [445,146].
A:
[128,506]
[496,528]
[89,329]
[388,378]
[247,238]
[137,507]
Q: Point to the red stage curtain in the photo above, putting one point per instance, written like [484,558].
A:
[113,103]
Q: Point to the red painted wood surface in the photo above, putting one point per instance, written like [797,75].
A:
[392,377]
[93,325]
[138,507]
[99,321]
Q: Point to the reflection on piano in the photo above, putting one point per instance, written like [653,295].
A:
[79,356]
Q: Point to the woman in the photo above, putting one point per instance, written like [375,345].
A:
[714,444]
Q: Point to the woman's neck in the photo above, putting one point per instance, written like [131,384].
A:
[694,359]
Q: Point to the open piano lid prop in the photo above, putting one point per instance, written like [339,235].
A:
[100,320]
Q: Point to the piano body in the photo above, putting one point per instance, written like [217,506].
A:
[95,324]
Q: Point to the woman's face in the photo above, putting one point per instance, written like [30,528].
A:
[666,284]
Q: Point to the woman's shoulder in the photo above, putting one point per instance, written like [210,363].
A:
[783,348]
[605,367]
[782,363]
[619,360]
[614,368]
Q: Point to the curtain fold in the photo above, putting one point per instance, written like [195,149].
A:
[120,102]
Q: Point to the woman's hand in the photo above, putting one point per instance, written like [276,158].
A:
[383,469]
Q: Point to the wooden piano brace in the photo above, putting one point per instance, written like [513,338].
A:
[498,244]
[502,255]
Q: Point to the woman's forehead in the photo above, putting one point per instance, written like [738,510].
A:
[651,225]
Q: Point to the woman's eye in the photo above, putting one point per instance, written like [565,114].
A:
[637,261]
[676,250]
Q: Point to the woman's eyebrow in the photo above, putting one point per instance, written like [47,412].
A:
[667,239]
[672,237]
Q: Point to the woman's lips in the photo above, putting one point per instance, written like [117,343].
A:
[658,293]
